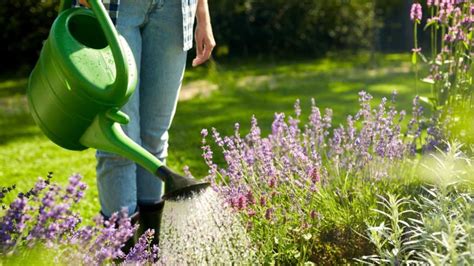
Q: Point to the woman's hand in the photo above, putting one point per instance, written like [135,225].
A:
[204,37]
[84,3]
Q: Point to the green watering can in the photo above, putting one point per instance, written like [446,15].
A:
[85,73]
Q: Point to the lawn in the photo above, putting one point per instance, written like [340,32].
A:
[240,89]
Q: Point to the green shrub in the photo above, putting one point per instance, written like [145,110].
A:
[307,27]
[25,25]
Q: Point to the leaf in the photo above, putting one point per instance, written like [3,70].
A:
[425,99]
[431,22]
[466,45]
[425,60]
[297,254]
[428,80]
[445,62]
[307,236]
[295,229]
[383,213]
[429,100]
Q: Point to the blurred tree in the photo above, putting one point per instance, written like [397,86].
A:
[25,24]
[242,27]
[309,27]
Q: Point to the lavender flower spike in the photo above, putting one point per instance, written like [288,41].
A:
[416,12]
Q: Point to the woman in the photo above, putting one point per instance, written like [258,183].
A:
[159,32]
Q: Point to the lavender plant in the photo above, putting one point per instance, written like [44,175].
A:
[43,218]
[450,23]
[303,181]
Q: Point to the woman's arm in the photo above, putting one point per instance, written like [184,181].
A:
[203,36]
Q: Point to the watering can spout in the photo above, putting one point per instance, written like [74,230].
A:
[106,134]
[178,186]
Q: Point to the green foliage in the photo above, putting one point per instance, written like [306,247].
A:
[243,27]
[439,233]
[434,227]
[391,242]
[331,236]
[25,24]
[308,27]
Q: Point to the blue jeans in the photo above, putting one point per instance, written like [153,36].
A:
[154,31]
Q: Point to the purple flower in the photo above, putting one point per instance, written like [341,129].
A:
[204,133]
[297,108]
[217,138]
[254,135]
[430,3]
[47,218]
[241,202]
[272,182]
[416,12]
[207,154]
[263,201]
[446,8]
[250,198]
[251,212]
[13,223]
[143,251]
[314,175]
[40,185]
[269,213]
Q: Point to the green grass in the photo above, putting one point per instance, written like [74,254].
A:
[245,88]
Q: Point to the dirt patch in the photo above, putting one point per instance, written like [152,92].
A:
[198,88]
[13,105]
[404,68]
[261,81]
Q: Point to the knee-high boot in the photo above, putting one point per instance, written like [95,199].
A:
[150,218]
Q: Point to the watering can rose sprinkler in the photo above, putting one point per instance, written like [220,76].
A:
[85,73]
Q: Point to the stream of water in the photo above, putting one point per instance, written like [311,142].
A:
[202,230]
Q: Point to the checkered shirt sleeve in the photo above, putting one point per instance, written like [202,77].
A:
[189,12]
[188,9]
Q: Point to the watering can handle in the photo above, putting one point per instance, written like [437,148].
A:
[65,4]
[120,86]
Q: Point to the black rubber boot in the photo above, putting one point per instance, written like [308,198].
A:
[150,218]
[134,219]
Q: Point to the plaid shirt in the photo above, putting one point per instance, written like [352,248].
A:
[188,8]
